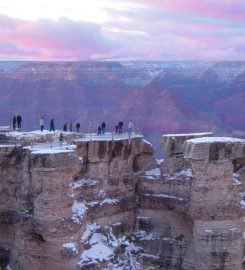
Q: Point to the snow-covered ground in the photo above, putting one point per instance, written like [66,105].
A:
[188,134]
[108,136]
[51,144]
[48,148]
[215,139]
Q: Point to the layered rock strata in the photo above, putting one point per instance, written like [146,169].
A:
[106,203]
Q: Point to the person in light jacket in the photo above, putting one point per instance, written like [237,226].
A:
[130,129]
[42,124]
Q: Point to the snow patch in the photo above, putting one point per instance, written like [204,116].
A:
[159,161]
[79,209]
[84,182]
[90,228]
[68,149]
[164,196]
[188,134]
[101,193]
[242,203]
[109,201]
[143,236]
[98,252]
[152,174]
[215,139]
[236,179]
[72,246]
[147,142]
[187,174]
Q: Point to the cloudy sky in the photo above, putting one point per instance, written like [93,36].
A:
[122,30]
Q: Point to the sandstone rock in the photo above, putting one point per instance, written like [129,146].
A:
[106,204]
[174,143]
[214,149]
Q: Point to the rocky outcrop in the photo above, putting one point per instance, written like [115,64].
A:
[172,144]
[215,204]
[106,203]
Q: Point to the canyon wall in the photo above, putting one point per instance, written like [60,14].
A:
[107,203]
[172,97]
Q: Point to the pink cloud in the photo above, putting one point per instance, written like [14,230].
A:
[64,39]
[158,30]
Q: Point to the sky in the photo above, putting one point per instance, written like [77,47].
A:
[122,30]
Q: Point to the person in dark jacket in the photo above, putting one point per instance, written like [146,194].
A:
[78,126]
[103,127]
[120,125]
[65,127]
[116,127]
[19,120]
[14,122]
[99,130]
[52,125]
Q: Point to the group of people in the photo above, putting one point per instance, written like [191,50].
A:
[65,127]
[101,129]
[118,128]
[16,120]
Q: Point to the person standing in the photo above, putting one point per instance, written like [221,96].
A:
[70,125]
[65,127]
[78,126]
[103,127]
[19,120]
[116,127]
[61,138]
[42,124]
[52,125]
[120,125]
[14,122]
[99,130]
[130,129]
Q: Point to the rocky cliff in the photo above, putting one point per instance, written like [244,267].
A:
[107,203]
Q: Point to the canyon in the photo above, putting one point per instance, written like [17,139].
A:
[159,97]
[105,202]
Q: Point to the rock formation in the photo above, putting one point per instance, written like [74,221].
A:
[176,97]
[106,203]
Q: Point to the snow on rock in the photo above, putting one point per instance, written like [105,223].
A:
[7,146]
[164,196]
[109,201]
[236,179]
[84,182]
[242,203]
[152,174]
[151,145]
[215,139]
[143,236]
[101,193]
[52,150]
[98,252]
[188,134]
[90,229]
[79,209]
[70,247]
[108,136]
[159,161]
[186,174]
